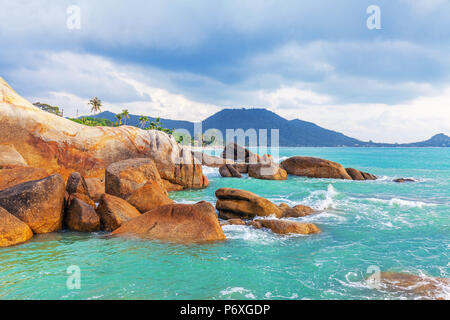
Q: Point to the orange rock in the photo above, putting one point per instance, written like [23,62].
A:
[148,197]
[169,186]
[125,177]
[234,222]
[235,203]
[314,168]
[176,222]
[271,171]
[81,217]
[96,188]
[37,203]
[10,157]
[297,211]
[83,197]
[286,226]
[359,175]
[229,171]
[76,184]
[114,211]
[62,146]
[12,230]
[14,176]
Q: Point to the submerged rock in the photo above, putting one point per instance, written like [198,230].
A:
[285,226]
[37,203]
[95,188]
[417,286]
[148,197]
[81,217]
[125,177]
[13,176]
[314,168]
[296,212]
[235,203]
[62,146]
[229,171]
[176,222]
[403,180]
[12,230]
[114,211]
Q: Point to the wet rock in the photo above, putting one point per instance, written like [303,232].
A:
[295,212]
[12,230]
[13,176]
[403,180]
[176,222]
[148,197]
[124,177]
[228,171]
[81,217]
[235,203]
[114,211]
[285,226]
[37,203]
[232,222]
[314,168]
[95,188]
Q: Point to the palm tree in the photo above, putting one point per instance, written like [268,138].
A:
[143,120]
[119,117]
[96,104]
[126,115]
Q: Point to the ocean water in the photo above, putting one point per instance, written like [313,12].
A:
[365,225]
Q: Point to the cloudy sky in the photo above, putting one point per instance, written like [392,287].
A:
[313,60]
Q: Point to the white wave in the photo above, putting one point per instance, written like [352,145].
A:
[230,290]
[210,172]
[403,203]
[321,199]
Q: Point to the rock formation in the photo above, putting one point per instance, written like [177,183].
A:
[285,226]
[12,230]
[13,176]
[37,203]
[9,157]
[229,171]
[114,211]
[59,145]
[96,188]
[148,197]
[81,217]
[176,222]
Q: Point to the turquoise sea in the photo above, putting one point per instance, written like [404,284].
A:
[382,224]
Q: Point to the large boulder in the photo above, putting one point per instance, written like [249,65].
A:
[114,211]
[80,196]
[285,226]
[237,153]
[232,222]
[76,184]
[62,146]
[241,204]
[417,286]
[37,203]
[81,217]
[9,157]
[229,171]
[148,197]
[296,211]
[360,175]
[124,177]
[13,176]
[12,230]
[95,188]
[176,222]
[314,168]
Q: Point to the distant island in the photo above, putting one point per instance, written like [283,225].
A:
[293,133]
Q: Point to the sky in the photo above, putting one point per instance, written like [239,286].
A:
[313,60]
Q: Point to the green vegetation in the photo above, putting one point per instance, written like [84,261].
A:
[157,125]
[49,108]
[96,105]
[93,122]
[125,115]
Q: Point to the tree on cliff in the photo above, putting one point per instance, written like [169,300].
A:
[126,115]
[96,105]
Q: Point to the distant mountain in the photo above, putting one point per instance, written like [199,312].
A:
[292,133]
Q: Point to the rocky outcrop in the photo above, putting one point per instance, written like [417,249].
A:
[81,217]
[417,286]
[267,171]
[114,211]
[124,177]
[360,175]
[314,168]
[13,176]
[80,196]
[12,230]
[296,211]
[210,161]
[176,222]
[148,197]
[9,157]
[229,171]
[95,188]
[59,145]
[241,204]
[237,153]
[285,226]
[232,222]
[403,180]
[37,203]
